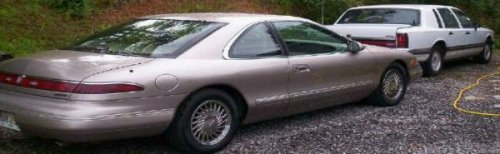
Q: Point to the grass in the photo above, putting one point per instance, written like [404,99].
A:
[29,26]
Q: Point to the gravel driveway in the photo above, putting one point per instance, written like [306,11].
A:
[424,122]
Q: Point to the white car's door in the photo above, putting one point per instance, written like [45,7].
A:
[473,38]
[456,36]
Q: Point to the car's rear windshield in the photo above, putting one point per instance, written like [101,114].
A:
[148,38]
[381,16]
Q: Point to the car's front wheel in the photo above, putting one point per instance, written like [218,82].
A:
[485,56]
[205,122]
[392,87]
[434,64]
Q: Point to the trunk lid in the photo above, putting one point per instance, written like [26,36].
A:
[64,65]
[358,32]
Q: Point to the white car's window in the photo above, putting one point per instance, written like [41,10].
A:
[257,41]
[449,19]
[305,39]
[464,20]
[381,16]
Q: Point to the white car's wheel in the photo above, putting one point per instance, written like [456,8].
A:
[485,56]
[434,64]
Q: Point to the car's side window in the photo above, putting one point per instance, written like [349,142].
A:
[302,38]
[438,20]
[464,20]
[449,19]
[257,41]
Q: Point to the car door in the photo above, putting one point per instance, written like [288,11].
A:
[323,71]
[263,72]
[473,42]
[455,39]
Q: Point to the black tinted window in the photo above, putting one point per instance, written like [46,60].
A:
[304,38]
[448,18]
[464,20]
[257,41]
[382,16]
[157,38]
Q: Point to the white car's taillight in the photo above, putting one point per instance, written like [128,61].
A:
[402,40]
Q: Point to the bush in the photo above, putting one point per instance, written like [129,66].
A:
[74,8]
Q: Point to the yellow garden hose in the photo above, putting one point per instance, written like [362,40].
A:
[456,103]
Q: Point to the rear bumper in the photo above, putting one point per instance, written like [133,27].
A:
[422,54]
[80,121]
[416,73]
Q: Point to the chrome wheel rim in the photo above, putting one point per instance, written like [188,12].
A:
[393,84]
[436,61]
[487,52]
[210,122]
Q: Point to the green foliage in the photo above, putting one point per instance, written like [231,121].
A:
[74,8]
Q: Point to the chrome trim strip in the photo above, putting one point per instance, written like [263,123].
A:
[272,99]
[311,92]
[329,89]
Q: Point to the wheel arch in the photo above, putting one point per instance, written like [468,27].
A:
[441,43]
[489,40]
[232,91]
[405,67]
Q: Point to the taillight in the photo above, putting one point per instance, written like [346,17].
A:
[67,86]
[107,88]
[383,43]
[402,40]
[48,85]
[8,78]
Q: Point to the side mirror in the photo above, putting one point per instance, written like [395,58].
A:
[476,26]
[355,47]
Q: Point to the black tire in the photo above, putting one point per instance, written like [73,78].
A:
[180,134]
[434,64]
[379,97]
[485,56]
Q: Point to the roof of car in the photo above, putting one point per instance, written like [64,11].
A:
[409,6]
[222,17]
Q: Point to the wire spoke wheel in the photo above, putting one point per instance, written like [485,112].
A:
[211,122]
[393,84]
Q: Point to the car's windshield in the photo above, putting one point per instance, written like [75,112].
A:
[382,16]
[148,37]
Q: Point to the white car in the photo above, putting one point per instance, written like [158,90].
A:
[432,32]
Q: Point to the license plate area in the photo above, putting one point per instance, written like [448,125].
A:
[8,121]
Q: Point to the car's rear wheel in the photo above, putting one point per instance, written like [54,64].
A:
[392,87]
[205,122]
[485,56]
[434,64]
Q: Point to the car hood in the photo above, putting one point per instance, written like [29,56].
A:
[68,65]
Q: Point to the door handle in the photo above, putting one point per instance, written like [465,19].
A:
[467,33]
[301,68]
[451,33]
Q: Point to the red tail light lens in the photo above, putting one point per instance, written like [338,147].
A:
[8,78]
[383,43]
[48,85]
[106,88]
[402,40]
[68,87]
